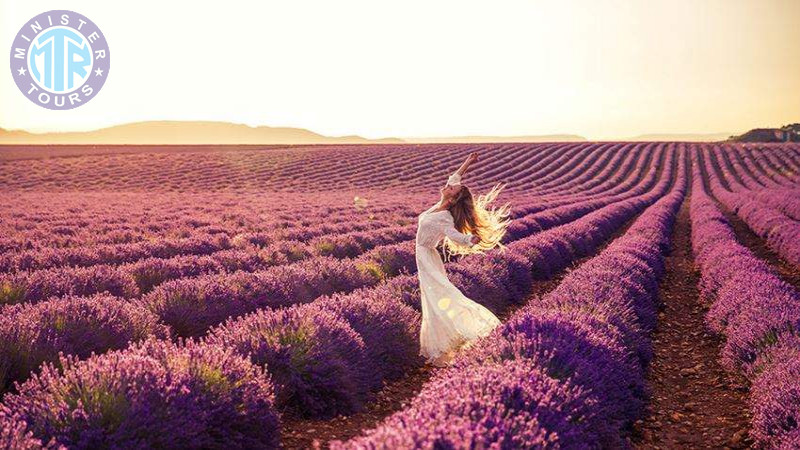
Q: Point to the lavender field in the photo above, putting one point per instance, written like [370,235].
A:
[266,296]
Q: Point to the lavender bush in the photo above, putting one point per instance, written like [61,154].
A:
[35,333]
[315,358]
[155,394]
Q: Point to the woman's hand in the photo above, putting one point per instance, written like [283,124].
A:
[473,156]
[475,239]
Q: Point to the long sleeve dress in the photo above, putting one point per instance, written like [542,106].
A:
[450,320]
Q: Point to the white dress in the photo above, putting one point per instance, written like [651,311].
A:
[450,320]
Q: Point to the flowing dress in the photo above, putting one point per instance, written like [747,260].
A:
[450,320]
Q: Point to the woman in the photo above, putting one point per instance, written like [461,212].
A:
[450,320]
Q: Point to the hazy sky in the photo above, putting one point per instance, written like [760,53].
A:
[598,68]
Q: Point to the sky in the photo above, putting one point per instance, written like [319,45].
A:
[601,69]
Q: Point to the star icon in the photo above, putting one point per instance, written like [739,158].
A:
[98,72]
[21,71]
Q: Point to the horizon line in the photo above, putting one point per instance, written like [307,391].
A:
[397,137]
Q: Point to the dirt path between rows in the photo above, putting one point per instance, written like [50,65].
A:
[695,403]
[746,237]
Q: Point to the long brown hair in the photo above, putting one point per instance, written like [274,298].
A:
[471,215]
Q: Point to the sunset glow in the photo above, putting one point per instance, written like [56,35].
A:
[599,69]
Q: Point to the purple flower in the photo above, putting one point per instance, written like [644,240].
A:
[155,394]
[79,326]
[317,361]
[508,405]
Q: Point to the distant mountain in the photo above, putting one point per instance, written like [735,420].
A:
[167,132]
[681,137]
[186,133]
[224,133]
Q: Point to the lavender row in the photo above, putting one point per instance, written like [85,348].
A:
[743,173]
[551,217]
[779,231]
[753,168]
[783,201]
[113,254]
[76,326]
[763,165]
[746,168]
[36,338]
[778,161]
[637,164]
[759,316]
[736,173]
[771,163]
[585,179]
[617,178]
[772,194]
[155,394]
[566,170]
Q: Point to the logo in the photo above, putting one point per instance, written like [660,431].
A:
[60,59]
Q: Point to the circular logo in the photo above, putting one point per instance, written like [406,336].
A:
[60,59]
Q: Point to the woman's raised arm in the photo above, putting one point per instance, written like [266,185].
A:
[465,165]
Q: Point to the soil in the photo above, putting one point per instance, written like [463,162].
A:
[695,403]
[393,397]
